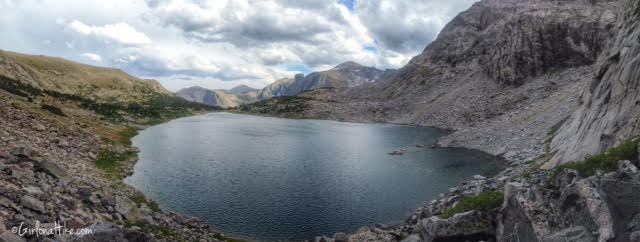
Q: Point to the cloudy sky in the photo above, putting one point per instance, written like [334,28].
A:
[224,43]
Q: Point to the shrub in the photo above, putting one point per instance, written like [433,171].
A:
[111,162]
[606,162]
[483,202]
[53,109]
[140,199]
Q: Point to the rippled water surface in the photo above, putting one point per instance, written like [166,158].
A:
[280,179]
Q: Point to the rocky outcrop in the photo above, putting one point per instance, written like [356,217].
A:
[514,40]
[537,206]
[609,111]
[597,208]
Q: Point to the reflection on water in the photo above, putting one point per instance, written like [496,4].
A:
[279,179]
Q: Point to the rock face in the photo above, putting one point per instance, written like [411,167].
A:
[609,112]
[597,208]
[513,40]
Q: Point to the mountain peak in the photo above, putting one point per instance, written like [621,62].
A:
[240,89]
[347,65]
[192,88]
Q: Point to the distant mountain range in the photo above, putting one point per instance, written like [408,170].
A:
[345,75]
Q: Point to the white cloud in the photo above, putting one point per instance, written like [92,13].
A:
[221,43]
[119,32]
[92,57]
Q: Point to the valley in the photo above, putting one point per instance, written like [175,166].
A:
[549,86]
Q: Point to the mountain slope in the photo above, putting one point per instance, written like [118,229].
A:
[345,75]
[241,89]
[64,151]
[56,74]
[220,98]
[502,74]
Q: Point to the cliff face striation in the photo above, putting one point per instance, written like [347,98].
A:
[609,112]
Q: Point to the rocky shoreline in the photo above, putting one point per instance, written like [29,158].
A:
[47,179]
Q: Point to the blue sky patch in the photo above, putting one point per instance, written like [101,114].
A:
[350,4]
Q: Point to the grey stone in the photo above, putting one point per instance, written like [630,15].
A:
[412,238]
[53,170]
[634,237]
[626,167]
[8,236]
[32,203]
[479,177]
[472,225]
[23,172]
[2,226]
[340,237]
[126,207]
[33,190]
[572,234]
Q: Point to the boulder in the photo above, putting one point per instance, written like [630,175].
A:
[21,151]
[33,190]
[412,238]
[2,226]
[626,167]
[23,172]
[126,207]
[572,234]
[471,226]
[634,237]
[53,170]
[340,237]
[32,203]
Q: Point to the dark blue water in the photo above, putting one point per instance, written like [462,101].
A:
[279,179]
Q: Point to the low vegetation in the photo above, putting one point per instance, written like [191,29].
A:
[277,105]
[112,163]
[153,109]
[605,162]
[53,109]
[139,199]
[484,202]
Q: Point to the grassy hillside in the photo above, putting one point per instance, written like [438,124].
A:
[102,100]
[67,77]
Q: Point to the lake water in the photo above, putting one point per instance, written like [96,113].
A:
[277,179]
